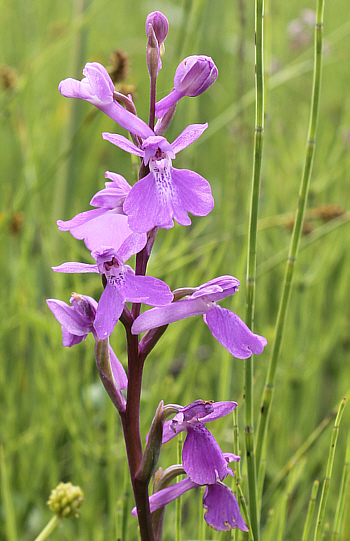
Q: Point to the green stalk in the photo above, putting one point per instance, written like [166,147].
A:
[310,511]
[326,482]
[237,470]
[342,495]
[49,528]
[297,230]
[9,518]
[251,261]
[178,500]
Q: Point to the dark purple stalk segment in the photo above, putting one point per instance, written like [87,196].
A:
[152,102]
[131,429]
[150,340]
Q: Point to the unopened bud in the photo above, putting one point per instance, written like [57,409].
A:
[160,25]
[152,54]
[153,447]
[192,77]
[66,500]
[195,74]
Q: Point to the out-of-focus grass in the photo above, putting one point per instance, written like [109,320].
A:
[56,422]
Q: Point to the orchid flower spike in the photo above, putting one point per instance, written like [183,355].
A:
[122,285]
[225,326]
[166,193]
[222,510]
[192,77]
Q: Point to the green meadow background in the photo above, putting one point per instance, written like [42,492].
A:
[56,422]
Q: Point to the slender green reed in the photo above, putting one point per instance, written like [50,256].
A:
[296,235]
[339,513]
[251,261]
[310,510]
[10,519]
[178,503]
[326,482]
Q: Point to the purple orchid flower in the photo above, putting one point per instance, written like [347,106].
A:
[122,285]
[107,225]
[192,77]
[222,510]
[225,326]
[202,458]
[77,321]
[97,88]
[165,193]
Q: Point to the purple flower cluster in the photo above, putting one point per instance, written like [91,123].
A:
[204,463]
[124,223]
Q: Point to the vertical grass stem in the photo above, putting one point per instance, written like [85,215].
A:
[251,261]
[342,495]
[326,482]
[296,235]
[310,510]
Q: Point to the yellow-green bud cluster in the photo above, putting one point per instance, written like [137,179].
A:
[66,500]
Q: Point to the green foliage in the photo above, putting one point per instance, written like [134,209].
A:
[56,422]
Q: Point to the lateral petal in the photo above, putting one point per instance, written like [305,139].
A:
[233,333]
[223,512]
[188,136]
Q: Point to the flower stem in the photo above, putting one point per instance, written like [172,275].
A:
[49,528]
[131,428]
[342,495]
[326,482]
[251,260]
[296,235]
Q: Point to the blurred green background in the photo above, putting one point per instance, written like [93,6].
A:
[55,421]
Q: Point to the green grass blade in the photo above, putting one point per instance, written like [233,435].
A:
[310,510]
[10,519]
[251,261]
[326,483]
[342,495]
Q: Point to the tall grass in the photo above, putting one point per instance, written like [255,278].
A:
[56,423]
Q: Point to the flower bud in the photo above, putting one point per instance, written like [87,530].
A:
[160,25]
[153,447]
[195,74]
[192,77]
[66,500]
[152,54]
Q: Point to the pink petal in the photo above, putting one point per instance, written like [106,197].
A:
[123,143]
[233,333]
[202,458]
[141,205]
[194,192]
[223,512]
[147,289]
[188,136]
[72,266]
[110,307]
[156,317]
